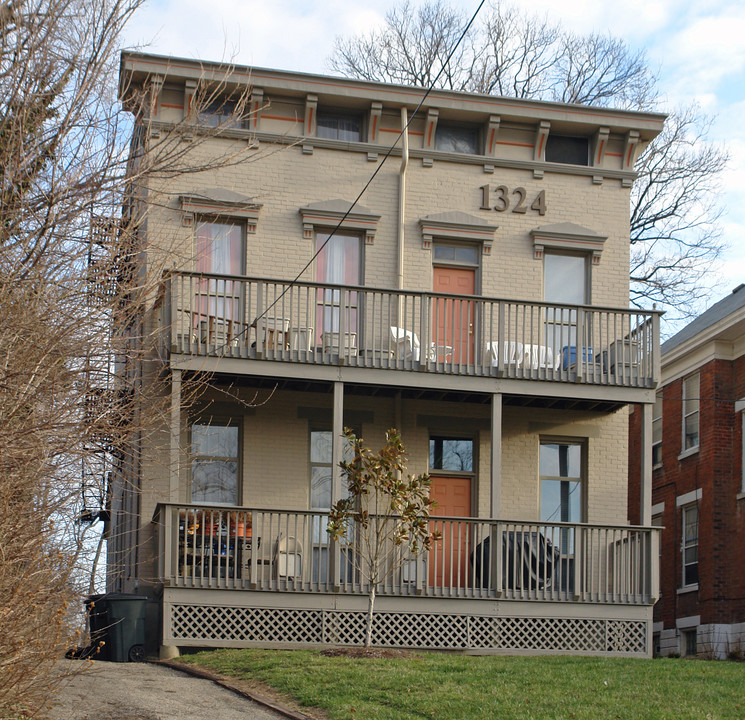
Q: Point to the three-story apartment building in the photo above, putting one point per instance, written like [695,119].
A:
[475,298]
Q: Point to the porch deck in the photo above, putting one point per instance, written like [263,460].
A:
[248,577]
[213,547]
[362,327]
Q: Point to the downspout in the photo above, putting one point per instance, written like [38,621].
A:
[402,210]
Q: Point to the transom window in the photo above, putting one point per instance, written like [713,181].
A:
[568,150]
[339,127]
[457,138]
[691,387]
[690,545]
[460,254]
[214,463]
[453,454]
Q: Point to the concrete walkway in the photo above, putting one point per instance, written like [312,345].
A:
[144,691]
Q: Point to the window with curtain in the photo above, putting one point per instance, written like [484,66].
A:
[338,262]
[339,127]
[220,251]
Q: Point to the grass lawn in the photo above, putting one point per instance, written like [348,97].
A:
[456,687]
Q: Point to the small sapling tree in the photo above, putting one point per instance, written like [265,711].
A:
[383,522]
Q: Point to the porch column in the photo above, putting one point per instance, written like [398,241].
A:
[175,454]
[645,485]
[495,505]
[336,494]
[337,426]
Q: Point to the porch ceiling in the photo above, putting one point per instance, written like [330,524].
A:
[415,393]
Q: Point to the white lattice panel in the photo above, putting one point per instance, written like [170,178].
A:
[213,624]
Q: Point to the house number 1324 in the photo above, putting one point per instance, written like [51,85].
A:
[504,197]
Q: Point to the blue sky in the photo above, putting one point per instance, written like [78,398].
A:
[697,48]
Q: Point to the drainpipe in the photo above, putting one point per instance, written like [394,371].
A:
[402,210]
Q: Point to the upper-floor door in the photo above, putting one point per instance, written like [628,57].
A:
[454,319]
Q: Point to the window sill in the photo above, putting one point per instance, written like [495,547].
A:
[740,496]
[688,453]
[687,589]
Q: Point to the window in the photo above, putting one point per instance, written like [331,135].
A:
[456,138]
[657,431]
[220,251]
[691,387]
[214,463]
[567,150]
[340,263]
[689,643]
[565,282]
[561,482]
[222,112]
[457,254]
[451,454]
[320,499]
[690,545]
[339,127]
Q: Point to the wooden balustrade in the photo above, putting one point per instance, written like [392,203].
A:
[290,551]
[254,318]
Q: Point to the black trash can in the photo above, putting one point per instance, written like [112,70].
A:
[118,621]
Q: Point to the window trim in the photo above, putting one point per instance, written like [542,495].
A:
[454,473]
[657,418]
[686,451]
[219,205]
[740,408]
[222,421]
[582,443]
[685,544]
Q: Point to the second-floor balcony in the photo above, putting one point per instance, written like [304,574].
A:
[467,335]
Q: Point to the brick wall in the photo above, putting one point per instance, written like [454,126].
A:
[716,470]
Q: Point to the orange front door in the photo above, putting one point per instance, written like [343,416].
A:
[448,558]
[452,324]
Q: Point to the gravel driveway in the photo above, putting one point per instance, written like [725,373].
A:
[143,691]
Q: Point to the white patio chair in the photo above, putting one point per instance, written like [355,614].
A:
[288,557]
[406,345]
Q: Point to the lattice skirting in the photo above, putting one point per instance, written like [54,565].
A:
[216,625]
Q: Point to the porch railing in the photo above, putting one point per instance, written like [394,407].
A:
[276,550]
[223,315]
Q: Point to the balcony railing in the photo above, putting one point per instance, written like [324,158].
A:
[276,550]
[242,317]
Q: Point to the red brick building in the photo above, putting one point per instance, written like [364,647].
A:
[698,489]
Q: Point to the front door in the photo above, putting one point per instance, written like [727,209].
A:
[448,558]
[453,321]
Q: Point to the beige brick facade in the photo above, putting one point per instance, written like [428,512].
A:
[503,202]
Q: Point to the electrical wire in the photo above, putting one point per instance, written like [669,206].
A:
[374,174]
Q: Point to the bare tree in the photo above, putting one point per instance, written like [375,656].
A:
[674,220]
[74,325]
